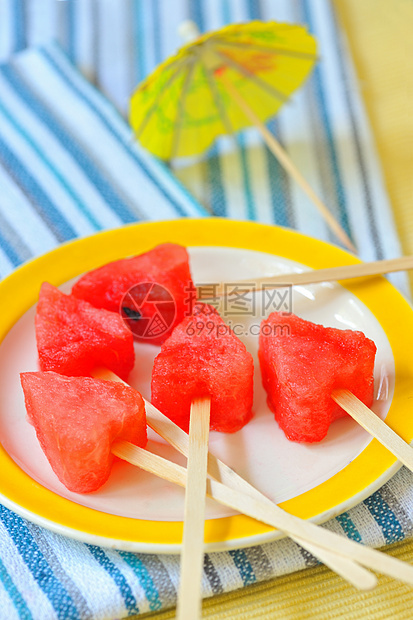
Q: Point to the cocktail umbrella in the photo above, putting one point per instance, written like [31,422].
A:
[221,82]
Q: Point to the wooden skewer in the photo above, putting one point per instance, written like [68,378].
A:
[189,605]
[304,533]
[232,490]
[375,426]
[264,511]
[346,272]
[352,572]
[340,560]
[284,159]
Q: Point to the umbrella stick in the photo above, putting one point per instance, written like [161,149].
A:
[284,159]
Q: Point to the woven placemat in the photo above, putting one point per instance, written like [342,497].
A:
[313,593]
[379,35]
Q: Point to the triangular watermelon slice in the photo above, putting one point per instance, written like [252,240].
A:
[73,337]
[302,363]
[153,291]
[204,357]
[77,419]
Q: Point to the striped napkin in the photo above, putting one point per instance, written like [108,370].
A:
[69,167]
[65,178]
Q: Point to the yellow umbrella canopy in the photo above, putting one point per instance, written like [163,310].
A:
[185,103]
[222,82]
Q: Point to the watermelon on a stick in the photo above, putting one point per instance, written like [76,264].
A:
[302,363]
[77,419]
[203,357]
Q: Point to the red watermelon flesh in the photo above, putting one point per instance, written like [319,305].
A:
[302,363]
[73,337]
[204,357]
[77,419]
[152,291]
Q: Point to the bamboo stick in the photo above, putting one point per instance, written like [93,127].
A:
[314,276]
[190,594]
[375,426]
[279,152]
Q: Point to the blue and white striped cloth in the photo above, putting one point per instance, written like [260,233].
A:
[68,168]
[66,178]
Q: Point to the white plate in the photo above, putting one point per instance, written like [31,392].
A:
[260,452]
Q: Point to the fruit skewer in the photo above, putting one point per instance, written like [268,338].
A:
[335,366]
[201,357]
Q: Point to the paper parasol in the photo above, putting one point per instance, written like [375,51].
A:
[222,82]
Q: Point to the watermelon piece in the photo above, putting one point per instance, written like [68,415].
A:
[77,419]
[302,363]
[204,357]
[152,291]
[73,337]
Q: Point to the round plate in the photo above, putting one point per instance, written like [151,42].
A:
[136,511]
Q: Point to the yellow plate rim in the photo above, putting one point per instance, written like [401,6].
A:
[374,466]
